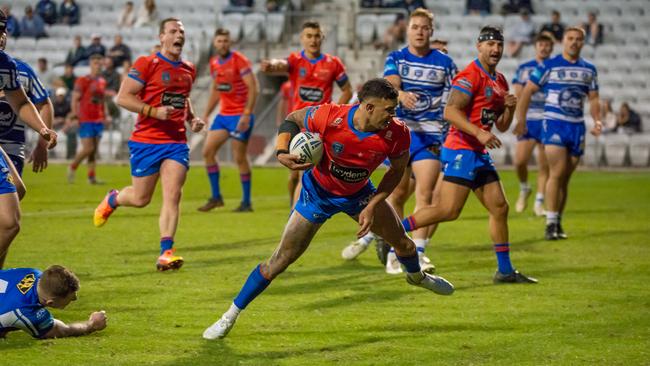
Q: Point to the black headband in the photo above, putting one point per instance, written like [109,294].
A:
[490,36]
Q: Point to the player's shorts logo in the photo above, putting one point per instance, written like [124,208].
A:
[337,148]
[313,95]
[173,99]
[26,283]
[7,118]
[348,174]
[570,101]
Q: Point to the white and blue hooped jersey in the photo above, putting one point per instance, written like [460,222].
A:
[19,306]
[566,86]
[430,78]
[12,130]
[536,107]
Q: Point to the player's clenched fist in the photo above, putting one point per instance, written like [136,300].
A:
[510,101]
[162,113]
[49,136]
[98,320]
[488,139]
[197,124]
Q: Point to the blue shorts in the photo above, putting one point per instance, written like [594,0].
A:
[425,146]
[317,205]
[147,158]
[89,130]
[6,181]
[565,134]
[229,123]
[19,163]
[468,168]
[534,131]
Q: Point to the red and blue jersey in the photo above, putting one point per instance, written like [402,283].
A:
[487,93]
[92,91]
[166,83]
[313,79]
[350,156]
[228,74]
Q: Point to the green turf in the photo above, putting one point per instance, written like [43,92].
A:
[592,306]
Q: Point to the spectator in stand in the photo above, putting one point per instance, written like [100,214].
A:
[593,29]
[241,3]
[127,16]
[395,35]
[69,13]
[46,75]
[113,81]
[607,116]
[147,15]
[67,79]
[62,121]
[408,5]
[13,25]
[32,25]
[478,7]
[119,52]
[77,54]
[95,47]
[516,7]
[371,4]
[47,10]
[629,121]
[555,27]
[519,33]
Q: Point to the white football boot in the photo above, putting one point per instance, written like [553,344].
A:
[393,266]
[220,328]
[354,249]
[522,200]
[436,284]
[425,264]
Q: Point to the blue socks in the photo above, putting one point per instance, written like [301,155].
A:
[255,284]
[246,188]
[412,263]
[166,243]
[112,199]
[213,175]
[503,258]
[409,223]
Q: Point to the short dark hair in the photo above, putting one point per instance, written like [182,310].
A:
[96,56]
[161,29]
[545,37]
[555,12]
[59,281]
[491,29]
[377,88]
[310,24]
[221,32]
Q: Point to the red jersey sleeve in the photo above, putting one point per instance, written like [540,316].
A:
[140,70]
[80,85]
[316,119]
[466,82]
[292,61]
[341,77]
[244,66]
[401,140]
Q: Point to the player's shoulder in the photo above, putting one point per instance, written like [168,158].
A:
[20,274]
[294,56]
[441,58]
[6,59]
[398,126]
[188,65]
[23,66]
[237,55]
[555,61]
[528,64]
[328,58]
[501,78]
[587,64]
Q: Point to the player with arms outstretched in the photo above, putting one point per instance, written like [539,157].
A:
[479,100]
[25,293]
[234,87]
[158,88]
[356,140]
[566,80]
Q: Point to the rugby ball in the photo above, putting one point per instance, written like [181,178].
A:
[308,146]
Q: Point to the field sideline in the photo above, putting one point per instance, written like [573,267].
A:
[591,307]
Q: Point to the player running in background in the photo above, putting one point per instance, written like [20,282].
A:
[566,80]
[234,87]
[423,78]
[12,129]
[158,88]
[356,140]
[312,73]
[533,137]
[89,109]
[479,99]
[25,293]
[11,186]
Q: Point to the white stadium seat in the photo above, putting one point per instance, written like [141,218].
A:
[640,150]
[384,22]
[253,27]
[616,149]
[274,26]
[366,27]
[233,23]
[594,149]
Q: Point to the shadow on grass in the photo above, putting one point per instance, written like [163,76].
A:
[223,246]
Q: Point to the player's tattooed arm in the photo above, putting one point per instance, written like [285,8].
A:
[456,115]
[346,93]
[523,102]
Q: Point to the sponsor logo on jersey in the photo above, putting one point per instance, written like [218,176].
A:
[489,92]
[556,138]
[570,101]
[419,73]
[336,122]
[173,99]
[349,174]
[488,117]
[302,72]
[26,283]
[7,118]
[166,78]
[405,70]
[134,73]
[308,94]
[337,148]
[224,87]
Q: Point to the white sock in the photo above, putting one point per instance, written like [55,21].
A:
[233,312]
[420,244]
[539,197]
[523,186]
[367,239]
[552,217]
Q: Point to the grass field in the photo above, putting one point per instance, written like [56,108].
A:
[591,307]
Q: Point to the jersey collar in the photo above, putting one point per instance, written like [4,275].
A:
[224,59]
[173,63]
[312,61]
[360,134]
[478,63]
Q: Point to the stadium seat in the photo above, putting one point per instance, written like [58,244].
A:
[233,23]
[640,150]
[594,149]
[384,21]
[366,27]
[253,27]
[274,27]
[616,147]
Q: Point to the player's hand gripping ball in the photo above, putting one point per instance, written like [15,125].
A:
[308,146]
